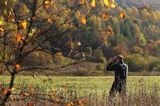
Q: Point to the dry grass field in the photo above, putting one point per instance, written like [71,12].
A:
[81,91]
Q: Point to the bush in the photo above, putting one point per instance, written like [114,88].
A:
[88,51]
[137,49]
[100,67]
[137,62]
[58,58]
[98,56]
[39,58]
[154,66]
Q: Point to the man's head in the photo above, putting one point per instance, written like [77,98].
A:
[119,58]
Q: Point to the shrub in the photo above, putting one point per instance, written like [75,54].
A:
[100,67]
[82,72]
[137,62]
[39,58]
[154,66]
[58,58]
[137,49]
[88,51]
[98,56]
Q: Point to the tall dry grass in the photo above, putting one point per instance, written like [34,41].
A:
[75,97]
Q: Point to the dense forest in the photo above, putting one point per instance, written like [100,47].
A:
[132,29]
[154,3]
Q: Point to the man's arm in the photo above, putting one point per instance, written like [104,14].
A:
[110,66]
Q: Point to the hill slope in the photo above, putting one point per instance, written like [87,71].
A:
[153,3]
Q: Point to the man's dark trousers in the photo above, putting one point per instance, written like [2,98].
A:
[118,86]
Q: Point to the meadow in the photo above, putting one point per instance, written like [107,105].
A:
[81,91]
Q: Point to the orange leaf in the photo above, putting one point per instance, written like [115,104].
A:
[105,16]
[23,24]
[18,38]
[122,15]
[69,104]
[83,20]
[5,91]
[109,32]
[18,66]
[46,4]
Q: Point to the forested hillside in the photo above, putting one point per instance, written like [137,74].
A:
[130,28]
[155,4]
[133,31]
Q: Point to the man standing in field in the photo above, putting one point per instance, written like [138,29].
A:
[121,71]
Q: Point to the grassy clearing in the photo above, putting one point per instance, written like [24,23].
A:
[94,89]
[83,83]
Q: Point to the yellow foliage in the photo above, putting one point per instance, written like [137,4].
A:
[46,4]
[10,17]
[83,20]
[69,104]
[105,16]
[1,20]
[93,3]
[106,2]
[1,30]
[122,15]
[59,54]
[113,5]
[23,24]
[82,1]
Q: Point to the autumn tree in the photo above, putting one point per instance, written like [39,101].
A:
[27,27]
[24,29]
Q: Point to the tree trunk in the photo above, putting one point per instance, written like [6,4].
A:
[8,93]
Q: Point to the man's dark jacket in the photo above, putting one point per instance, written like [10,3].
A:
[120,68]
